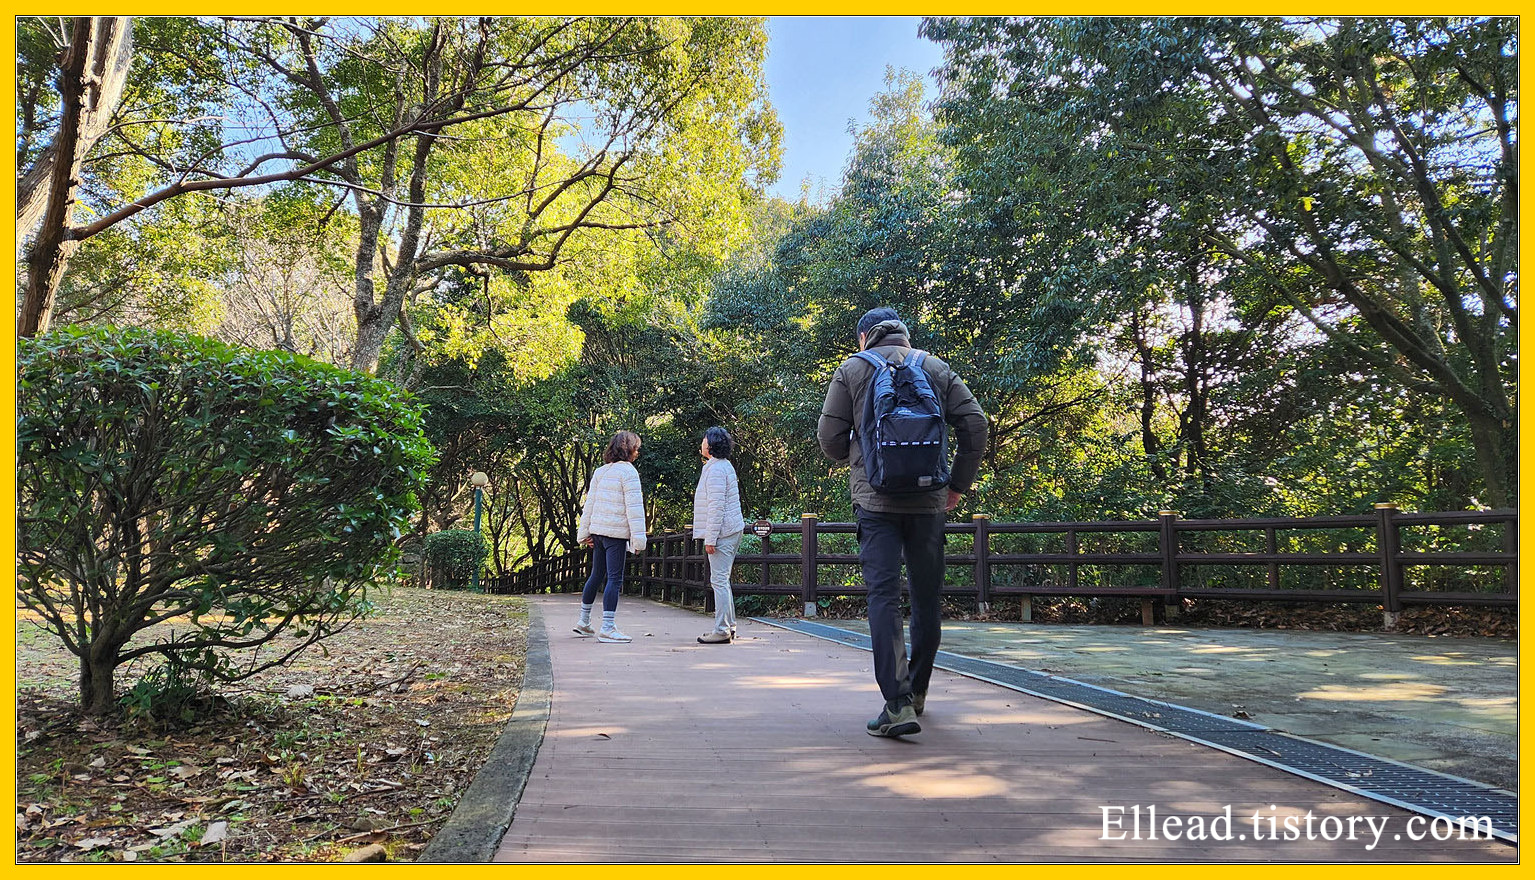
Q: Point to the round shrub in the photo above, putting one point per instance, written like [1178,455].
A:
[454,555]
[247,492]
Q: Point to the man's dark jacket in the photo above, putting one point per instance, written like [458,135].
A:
[843,412]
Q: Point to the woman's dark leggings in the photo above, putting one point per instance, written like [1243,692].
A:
[607,565]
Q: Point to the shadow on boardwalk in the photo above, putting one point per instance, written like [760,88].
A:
[667,750]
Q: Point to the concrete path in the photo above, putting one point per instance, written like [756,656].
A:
[1445,704]
[667,750]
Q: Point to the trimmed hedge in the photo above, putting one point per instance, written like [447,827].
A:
[165,476]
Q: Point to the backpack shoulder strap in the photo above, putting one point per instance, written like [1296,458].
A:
[919,375]
[873,359]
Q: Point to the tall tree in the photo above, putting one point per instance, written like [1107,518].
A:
[1363,170]
[480,145]
[92,70]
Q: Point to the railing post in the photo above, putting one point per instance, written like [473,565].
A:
[666,569]
[689,549]
[695,549]
[645,557]
[767,548]
[703,573]
[1389,542]
[1168,539]
[1511,546]
[809,549]
[982,547]
[1073,571]
[1271,546]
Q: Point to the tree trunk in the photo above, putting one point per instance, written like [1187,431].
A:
[90,84]
[373,328]
[97,694]
[1197,411]
[1496,447]
[1149,442]
[110,57]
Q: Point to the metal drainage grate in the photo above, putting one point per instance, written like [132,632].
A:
[1413,788]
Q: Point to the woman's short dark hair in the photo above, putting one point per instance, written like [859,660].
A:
[720,444]
[621,447]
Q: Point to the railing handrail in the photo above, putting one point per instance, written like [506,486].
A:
[675,561]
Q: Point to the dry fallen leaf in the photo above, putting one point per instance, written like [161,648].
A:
[215,833]
[173,830]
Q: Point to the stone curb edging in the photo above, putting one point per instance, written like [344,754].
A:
[472,833]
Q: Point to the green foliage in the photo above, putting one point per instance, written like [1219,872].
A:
[163,476]
[1127,365]
[1352,179]
[168,692]
[455,555]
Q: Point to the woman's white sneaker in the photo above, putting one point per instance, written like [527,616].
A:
[612,635]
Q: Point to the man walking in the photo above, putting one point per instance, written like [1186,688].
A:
[901,499]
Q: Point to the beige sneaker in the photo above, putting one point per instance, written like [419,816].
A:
[901,722]
[583,629]
[714,638]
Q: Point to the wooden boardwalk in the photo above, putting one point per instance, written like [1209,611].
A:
[667,750]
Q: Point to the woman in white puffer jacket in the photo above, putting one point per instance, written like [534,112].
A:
[717,520]
[612,521]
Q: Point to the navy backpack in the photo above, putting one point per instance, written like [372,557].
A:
[904,440]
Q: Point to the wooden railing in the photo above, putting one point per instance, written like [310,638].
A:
[1388,558]
[548,576]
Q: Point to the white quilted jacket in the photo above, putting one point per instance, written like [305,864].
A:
[614,506]
[717,502]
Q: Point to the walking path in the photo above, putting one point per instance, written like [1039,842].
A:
[667,750]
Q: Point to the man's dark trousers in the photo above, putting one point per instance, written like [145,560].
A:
[883,539]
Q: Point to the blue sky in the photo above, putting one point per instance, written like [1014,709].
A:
[821,72]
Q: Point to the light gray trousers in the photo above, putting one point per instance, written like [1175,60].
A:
[721,561]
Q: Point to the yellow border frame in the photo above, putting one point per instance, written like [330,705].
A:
[897,7]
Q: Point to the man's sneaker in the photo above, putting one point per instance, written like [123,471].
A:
[715,638]
[901,722]
[583,629]
[918,702]
[612,635]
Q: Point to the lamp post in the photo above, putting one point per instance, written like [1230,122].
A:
[479,481]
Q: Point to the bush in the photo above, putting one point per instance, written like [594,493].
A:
[454,555]
[164,476]
[167,693]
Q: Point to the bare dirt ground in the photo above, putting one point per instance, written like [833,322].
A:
[369,737]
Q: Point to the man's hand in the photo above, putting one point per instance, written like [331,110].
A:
[954,498]
[587,542]
[709,549]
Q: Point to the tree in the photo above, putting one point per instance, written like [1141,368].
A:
[465,146]
[1361,173]
[242,494]
[288,283]
[92,71]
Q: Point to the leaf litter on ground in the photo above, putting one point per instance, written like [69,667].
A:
[390,723]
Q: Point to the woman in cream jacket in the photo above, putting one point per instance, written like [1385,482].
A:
[717,520]
[612,521]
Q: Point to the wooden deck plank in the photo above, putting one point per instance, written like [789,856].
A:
[666,750]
